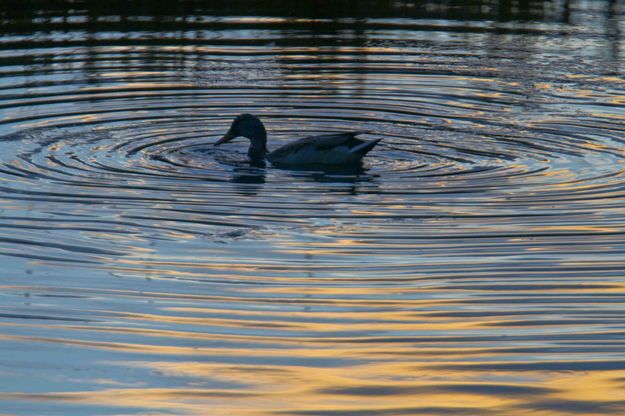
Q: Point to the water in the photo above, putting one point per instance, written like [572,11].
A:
[474,265]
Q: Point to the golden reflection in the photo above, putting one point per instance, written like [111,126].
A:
[542,86]
[361,324]
[608,116]
[592,386]
[390,388]
[416,356]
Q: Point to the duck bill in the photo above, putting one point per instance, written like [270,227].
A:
[227,137]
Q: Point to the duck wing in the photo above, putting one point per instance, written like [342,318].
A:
[320,143]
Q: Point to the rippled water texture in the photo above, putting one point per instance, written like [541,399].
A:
[474,265]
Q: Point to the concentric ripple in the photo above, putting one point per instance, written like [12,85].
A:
[472,265]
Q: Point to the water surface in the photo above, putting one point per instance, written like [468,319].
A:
[474,265]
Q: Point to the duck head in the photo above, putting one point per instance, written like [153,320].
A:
[250,127]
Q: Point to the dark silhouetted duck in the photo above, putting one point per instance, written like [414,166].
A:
[336,149]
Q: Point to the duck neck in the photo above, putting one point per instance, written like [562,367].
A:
[258,147]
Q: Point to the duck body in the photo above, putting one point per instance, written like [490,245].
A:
[338,149]
[328,149]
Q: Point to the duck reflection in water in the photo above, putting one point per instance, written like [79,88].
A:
[251,175]
[249,178]
[248,174]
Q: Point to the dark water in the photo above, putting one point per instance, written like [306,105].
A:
[475,265]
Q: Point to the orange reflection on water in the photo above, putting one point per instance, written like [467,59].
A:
[387,388]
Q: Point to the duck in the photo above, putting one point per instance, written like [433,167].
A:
[335,149]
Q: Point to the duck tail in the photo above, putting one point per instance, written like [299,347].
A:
[365,147]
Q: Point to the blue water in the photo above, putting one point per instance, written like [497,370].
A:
[473,265]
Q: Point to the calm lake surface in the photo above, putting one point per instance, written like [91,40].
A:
[474,265]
